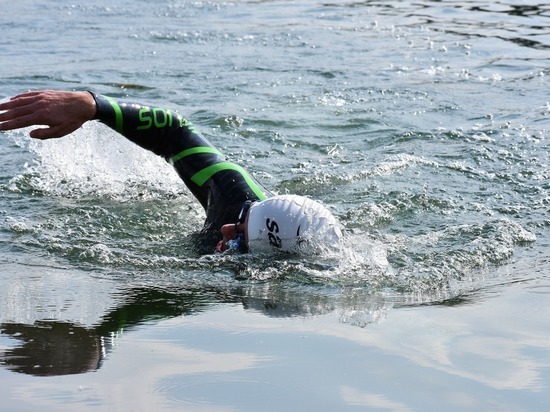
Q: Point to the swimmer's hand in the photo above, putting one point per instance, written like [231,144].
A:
[62,112]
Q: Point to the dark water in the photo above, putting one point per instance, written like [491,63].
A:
[423,126]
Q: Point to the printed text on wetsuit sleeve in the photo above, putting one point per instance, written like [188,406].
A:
[160,118]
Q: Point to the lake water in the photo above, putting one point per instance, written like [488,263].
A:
[424,126]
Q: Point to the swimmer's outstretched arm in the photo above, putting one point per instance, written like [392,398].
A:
[61,111]
[158,130]
[161,131]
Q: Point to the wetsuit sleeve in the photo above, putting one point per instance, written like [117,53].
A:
[219,185]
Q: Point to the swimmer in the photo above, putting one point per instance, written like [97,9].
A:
[241,215]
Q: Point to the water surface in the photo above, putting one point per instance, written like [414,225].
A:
[423,126]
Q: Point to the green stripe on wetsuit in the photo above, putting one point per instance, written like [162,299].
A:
[118,114]
[195,150]
[202,176]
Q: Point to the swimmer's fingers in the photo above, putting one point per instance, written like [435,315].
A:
[54,132]
[63,112]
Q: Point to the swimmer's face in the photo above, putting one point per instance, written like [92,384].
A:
[229,232]
[236,231]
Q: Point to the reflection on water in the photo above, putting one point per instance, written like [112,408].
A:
[458,354]
[59,348]
[50,348]
[56,347]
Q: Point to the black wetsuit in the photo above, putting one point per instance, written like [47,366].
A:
[220,186]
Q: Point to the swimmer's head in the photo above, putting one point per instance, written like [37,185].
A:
[285,223]
[290,223]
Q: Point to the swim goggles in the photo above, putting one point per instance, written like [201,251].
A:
[244,211]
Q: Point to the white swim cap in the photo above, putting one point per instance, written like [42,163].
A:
[291,223]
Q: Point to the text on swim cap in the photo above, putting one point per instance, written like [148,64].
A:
[273,228]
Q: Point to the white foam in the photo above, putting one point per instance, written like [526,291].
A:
[95,160]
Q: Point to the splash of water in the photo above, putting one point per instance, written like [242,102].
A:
[94,161]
